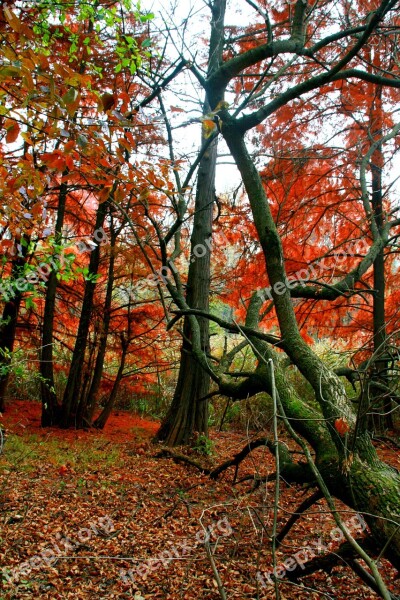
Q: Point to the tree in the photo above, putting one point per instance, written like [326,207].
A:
[188,411]
[324,48]
[10,316]
[268,86]
[74,144]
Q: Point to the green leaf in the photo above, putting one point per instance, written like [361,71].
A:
[70,96]
[29,303]
[147,17]
[131,41]
[82,141]
[9,72]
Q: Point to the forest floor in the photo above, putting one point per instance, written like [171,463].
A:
[80,509]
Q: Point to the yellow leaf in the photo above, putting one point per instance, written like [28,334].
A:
[27,79]
[26,137]
[104,194]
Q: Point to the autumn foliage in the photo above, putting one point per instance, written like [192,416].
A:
[139,269]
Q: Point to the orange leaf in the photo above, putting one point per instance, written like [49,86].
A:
[124,144]
[208,127]
[12,131]
[341,426]
[104,194]
[69,146]
[12,19]
[54,160]
[6,244]
[69,162]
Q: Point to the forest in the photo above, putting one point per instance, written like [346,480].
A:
[199,340]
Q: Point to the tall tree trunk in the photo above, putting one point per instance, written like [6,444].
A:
[51,410]
[379,403]
[50,406]
[381,408]
[353,471]
[188,413]
[102,419]
[72,392]
[87,411]
[87,375]
[9,319]
[7,340]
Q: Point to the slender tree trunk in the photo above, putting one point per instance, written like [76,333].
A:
[7,340]
[101,420]
[51,410]
[87,375]
[381,405]
[73,387]
[50,406]
[90,402]
[188,413]
[9,320]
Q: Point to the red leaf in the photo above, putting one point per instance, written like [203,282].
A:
[341,426]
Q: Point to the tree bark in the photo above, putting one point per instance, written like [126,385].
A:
[381,406]
[102,419]
[188,413]
[50,406]
[90,402]
[72,395]
[7,340]
[9,320]
[351,469]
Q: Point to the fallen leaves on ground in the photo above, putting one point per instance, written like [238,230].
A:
[117,522]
